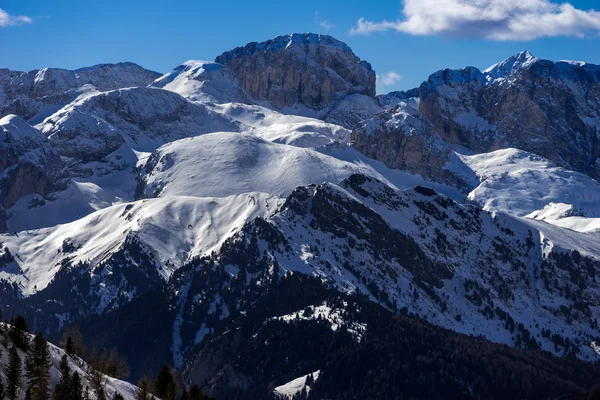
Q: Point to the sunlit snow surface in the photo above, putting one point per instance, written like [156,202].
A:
[295,386]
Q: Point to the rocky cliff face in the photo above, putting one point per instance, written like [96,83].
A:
[404,140]
[28,163]
[307,69]
[544,107]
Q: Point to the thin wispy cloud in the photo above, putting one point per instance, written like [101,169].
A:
[488,19]
[389,78]
[12,20]
[325,24]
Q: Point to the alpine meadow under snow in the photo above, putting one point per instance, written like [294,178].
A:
[265,221]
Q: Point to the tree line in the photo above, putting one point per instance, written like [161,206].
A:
[28,377]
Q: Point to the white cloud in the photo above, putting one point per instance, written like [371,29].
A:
[390,78]
[325,24]
[9,20]
[488,19]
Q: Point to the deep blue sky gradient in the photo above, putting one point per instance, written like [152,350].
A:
[160,35]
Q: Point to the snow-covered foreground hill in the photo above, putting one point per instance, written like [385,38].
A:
[76,364]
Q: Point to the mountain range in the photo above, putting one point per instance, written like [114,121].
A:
[266,217]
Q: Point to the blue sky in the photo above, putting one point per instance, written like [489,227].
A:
[404,41]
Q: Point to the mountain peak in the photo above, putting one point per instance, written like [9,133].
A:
[300,69]
[283,42]
[511,65]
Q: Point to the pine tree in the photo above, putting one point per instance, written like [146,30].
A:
[165,386]
[116,365]
[18,333]
[61,391]
[13,374]
[118,396]
[184,396]
[69,346]
[37,368]
[143,392]
[76,388]
[73,336]
[197,394]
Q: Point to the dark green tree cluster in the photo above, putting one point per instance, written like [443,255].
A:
[18,333]
[195,393]
[13,374]
[69,387]
[37,368]
[165,386]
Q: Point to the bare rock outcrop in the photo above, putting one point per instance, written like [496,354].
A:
[300,69]
[547,108]
[403,139]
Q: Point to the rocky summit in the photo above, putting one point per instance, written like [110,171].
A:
[300,69]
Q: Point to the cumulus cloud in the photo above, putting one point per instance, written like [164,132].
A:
[488,19]
[10,20]
[389,78]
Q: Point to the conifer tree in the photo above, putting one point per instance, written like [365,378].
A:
[69,346]
[143,392]
[197,394]
[117,396]
[76,388]
[165,386]
[37,368]
[184,396]
[18,333]
[62,389]
[13,374]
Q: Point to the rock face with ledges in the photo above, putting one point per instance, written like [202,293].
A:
[543,107]
[308,69]
[28,163]
[403,139]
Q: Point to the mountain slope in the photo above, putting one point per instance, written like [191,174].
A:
[202,81]
[76,364]
[37,94]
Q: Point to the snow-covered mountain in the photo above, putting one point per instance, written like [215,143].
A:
[195,193]
[37,94]
[202,81]
[540,106]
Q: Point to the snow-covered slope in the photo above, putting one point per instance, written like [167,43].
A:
[524,184]
[295,387]
[511,280]
[239,163]
[171,229]
[288,129]
[37,94]
[112,385]
[203,81]
[141,118]
[200,166]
